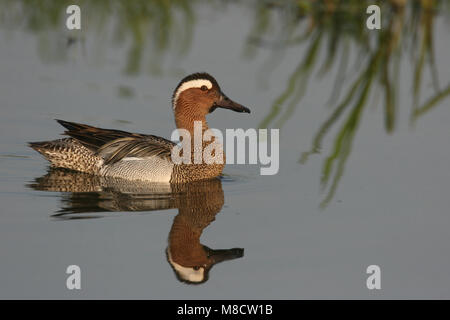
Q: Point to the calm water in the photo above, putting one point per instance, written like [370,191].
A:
[375,189]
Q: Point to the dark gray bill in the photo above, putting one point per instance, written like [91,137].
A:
[224,254]
[227,103]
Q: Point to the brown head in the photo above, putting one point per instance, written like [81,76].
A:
[197,95]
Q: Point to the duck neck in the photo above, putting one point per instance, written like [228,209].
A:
[184,242]
[196,125]
[188,122]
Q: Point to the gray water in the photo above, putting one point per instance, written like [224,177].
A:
[387,205]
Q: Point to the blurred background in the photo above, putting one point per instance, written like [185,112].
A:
[364,144]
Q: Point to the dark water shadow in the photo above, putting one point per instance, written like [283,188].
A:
[198,203]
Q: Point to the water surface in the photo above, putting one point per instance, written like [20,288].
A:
[364,150]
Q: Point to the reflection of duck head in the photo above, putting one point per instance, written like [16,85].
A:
[197,202]
[194,265]
[190,260]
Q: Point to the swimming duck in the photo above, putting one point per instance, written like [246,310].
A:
[135,156]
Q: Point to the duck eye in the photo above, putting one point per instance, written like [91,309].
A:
[204,88]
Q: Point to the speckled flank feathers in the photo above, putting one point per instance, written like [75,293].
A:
[69,153]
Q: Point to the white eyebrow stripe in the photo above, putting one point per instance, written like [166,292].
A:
[187,273]
[198,83]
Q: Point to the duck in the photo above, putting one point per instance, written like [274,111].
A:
[144,157]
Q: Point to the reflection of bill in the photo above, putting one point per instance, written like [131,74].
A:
[197,202]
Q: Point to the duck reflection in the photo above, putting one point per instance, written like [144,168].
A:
[197,203]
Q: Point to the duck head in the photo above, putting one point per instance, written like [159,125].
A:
[199,94]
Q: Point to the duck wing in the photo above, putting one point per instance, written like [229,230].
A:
[114,145]
[93,138]
[148,146]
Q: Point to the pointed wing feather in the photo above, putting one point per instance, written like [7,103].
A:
[93,138]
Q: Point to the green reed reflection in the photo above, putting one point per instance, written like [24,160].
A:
[328,29]
[148,29]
